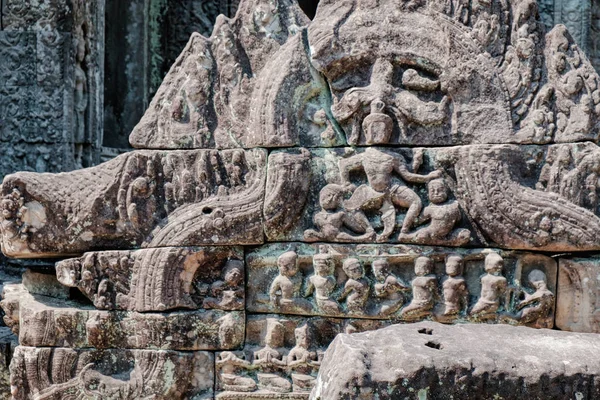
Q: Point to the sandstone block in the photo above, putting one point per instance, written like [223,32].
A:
[48,322]
[159,279]
[60,373]
[44,284]
[139,199]
[434,361]
[578,300]
[403,283]
[281,356]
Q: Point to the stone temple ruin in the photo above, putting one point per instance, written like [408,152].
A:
[390,161]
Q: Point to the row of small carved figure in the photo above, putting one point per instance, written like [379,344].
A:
[270,363]
[390,291]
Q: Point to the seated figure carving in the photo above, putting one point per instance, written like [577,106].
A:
[424,291]
[322,283]
[536,307]
[456,294]
[303,359]
[494,289]
[356,289]
[331,220]
[228,294]
[442,215]
[388,287]
[284,291]
[270,360]
[230,364]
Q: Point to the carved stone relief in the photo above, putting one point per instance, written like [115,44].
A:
[403,283]
[578,303]
[119,374]
[125,203]
[159,279]
[281,356]
[42,321]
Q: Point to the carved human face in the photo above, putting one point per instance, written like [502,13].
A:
[423,266]
[493,264]
[437,191]
[353,268]
[454,266]
[287,265]
[381,270]
[323,266]
[330,197]
[234,273]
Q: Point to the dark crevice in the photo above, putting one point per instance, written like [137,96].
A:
[426,331]
[434,345]
[309,7]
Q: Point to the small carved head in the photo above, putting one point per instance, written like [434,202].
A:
[275,333]
[302,335]
[288,263]
[437,191]
[381,269]
[234,272]
[330,197]
[537,279]
[454,265]
[353,268]
[423,266]
[493,263]
[323,264]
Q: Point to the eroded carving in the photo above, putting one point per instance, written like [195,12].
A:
[402,283]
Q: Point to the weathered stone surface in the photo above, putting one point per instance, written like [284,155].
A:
[119,374]
[144,198]
[43,321]
[578,297]
[281,357]
[234,88]
[403,283]
[433,361]
[159,279]
[8,343]
[510,196]
[44,284]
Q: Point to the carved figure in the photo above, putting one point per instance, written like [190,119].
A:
[424,291]
[228,294]
[356,289]
[285,288]
[380,194]
[388,287]
[537,307]
[494,287]
[322,283]
[331,220]
[303,360]
[269,359]
[456,295]
[230,365]
[442,216]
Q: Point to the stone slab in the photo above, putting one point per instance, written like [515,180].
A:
[435,361]
[403,283]
[159,279]
[48,322]
[578,294]
[60,373]
[139,199]
[508,196]
[281,356]
[44,284]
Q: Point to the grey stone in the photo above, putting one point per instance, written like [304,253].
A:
[434,361]
[578,298]
[48,322]
[44,284]
[403,283]
[110,374]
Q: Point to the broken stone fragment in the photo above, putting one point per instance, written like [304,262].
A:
[434,361]
[159,279]
[578,302]
[87,374]
[44,284]
[48,322]
[403,283]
